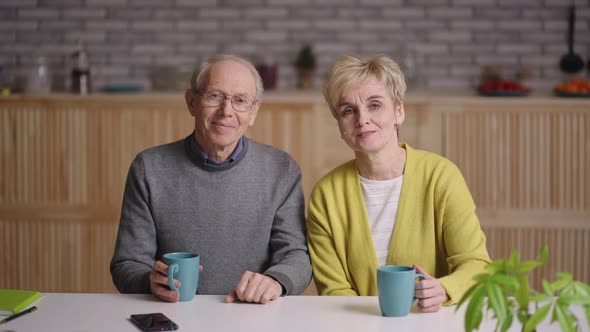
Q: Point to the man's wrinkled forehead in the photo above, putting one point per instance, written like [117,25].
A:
[232,75]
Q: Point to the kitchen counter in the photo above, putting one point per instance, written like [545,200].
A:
[314,96]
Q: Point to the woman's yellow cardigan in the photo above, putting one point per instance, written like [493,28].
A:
[436,228]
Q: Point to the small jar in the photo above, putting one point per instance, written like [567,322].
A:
[39,78]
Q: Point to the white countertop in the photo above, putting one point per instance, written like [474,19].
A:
[110,312]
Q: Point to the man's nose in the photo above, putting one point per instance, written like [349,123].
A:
[226,106]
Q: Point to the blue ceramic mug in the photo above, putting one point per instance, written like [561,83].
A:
[183,266]
[396,285]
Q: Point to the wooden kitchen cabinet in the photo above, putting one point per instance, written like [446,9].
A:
[64,161]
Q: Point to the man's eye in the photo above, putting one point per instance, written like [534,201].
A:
[215,95]
[241,100]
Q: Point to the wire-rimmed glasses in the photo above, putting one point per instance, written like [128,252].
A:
[216,98]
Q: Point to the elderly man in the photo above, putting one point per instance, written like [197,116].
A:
[236,202]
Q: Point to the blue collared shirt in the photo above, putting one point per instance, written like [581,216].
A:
[204,157]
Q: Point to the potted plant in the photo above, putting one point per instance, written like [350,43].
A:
[506,292]
[305,64]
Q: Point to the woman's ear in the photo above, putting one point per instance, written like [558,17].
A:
[400,113]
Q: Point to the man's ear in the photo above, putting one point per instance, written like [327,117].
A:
[190,99]
[254,113]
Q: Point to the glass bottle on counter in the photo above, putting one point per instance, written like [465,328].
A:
[39,78]
[80,81]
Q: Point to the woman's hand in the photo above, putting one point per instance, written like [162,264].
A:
[429,292]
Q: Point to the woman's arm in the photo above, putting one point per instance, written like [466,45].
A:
[464,240]
[329,272]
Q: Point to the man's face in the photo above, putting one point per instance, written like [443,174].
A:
[219,128]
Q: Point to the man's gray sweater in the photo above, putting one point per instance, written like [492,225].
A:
[246,215]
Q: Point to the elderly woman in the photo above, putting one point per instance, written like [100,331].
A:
[392,204]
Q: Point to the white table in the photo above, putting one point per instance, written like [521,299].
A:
[110,312]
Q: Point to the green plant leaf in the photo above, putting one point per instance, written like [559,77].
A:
[522,293]
[506,281]
[473,313]
[564,319]
[514,259]
[587,312]
[559,284]
[547,288]
[565,276]
[541,297]
[543,254]
[581,288]
[568,290]
[536,318]
[497,302]
[482,277]
[522,314]
[527,266]
[507,323]
[467,295]
[573,299]
[496,266]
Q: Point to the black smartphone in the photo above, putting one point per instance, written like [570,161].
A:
[154,322]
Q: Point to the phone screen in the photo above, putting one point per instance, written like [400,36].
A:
[154,322]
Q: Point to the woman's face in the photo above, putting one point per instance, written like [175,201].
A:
[367,117]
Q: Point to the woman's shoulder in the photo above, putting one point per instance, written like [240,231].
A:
[339,171]
[421,159]
[337,176]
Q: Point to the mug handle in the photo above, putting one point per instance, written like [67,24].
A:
[421,276]
[172,268]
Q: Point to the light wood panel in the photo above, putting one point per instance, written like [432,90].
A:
[534,160]
[566,234]
[63,164]
[523,159]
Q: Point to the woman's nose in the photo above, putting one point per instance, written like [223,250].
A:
[362,118]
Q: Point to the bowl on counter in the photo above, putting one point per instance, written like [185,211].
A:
[502,88]
[574,88]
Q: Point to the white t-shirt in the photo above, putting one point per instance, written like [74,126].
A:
[381,202]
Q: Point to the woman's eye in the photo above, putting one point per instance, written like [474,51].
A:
[375,106]
[346,111]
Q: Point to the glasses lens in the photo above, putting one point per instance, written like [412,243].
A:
[240,103]
[216,98]
[213,98]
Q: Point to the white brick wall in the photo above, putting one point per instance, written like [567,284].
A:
[452,38]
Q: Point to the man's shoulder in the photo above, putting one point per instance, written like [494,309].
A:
[262,150]
[163,151]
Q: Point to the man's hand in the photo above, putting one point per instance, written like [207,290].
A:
[429,292]
[255,288]
[159,283]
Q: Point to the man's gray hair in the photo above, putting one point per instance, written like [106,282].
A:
[202,73]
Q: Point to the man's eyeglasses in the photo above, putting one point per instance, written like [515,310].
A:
[216,98]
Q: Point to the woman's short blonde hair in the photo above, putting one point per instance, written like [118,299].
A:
[348,71]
